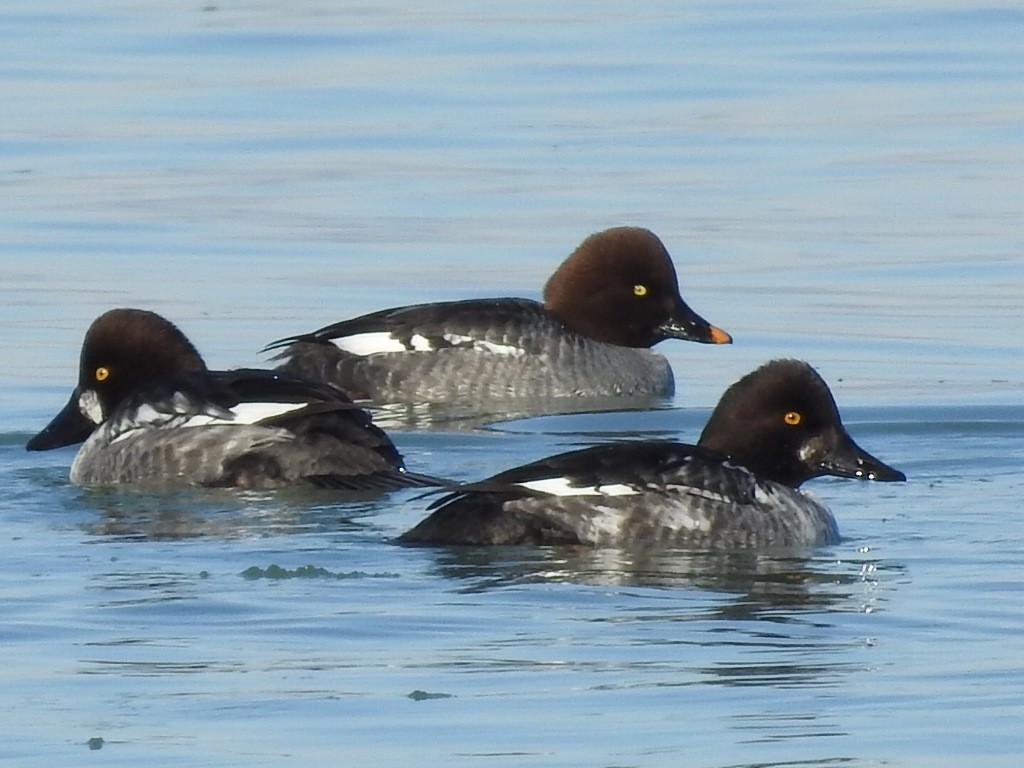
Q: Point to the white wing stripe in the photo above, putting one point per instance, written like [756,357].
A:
[245,413]
[381,342]
[482,345]
[559,486]
[363,344]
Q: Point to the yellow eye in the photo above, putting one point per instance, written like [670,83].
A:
[792,418]
[639,289]
[102,373]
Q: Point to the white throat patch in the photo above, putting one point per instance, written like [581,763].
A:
[90,406]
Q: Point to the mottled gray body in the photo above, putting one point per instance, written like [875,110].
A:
[682,517]
[245,456]
[542,360]
[631,494]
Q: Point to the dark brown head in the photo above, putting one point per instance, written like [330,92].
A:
[124,350]
[619,286]
[782,423]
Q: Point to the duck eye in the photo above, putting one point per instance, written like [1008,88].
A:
[639,289]
[102,373]
[792,418]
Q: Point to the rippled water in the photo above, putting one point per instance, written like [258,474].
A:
[837,184]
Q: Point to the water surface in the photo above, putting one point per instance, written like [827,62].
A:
[836,184]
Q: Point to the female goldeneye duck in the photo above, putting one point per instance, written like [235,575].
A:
[612,299]
[151,413]
[738,487]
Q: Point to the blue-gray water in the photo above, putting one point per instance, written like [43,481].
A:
[840,183]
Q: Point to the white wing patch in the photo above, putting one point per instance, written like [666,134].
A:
[147,415]
[480,345]
[381,342]
[559,486]
[766,494]
[378,342]
[244,413]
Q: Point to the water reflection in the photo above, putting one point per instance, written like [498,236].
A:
[668,620]
[157,668]
[805,673]
[761,585]
[467,416]
[193,513]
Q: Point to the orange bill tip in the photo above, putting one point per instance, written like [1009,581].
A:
[718,336]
